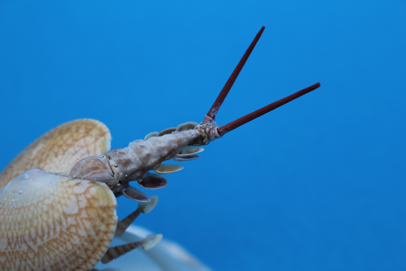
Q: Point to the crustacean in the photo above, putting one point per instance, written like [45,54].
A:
[65,220]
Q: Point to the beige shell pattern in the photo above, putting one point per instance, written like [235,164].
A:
[60,149]
[53,222]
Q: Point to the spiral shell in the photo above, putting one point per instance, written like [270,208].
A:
[52,222]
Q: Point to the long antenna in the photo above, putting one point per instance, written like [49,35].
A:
[220,98]
[247,118]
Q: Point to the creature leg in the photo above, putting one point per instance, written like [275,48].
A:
[149,241]
[114,252]
[143,207]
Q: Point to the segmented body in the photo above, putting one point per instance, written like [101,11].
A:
[120,166]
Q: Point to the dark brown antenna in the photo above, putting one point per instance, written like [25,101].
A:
[247,118]
[220,98]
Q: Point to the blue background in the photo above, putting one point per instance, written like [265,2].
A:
[318,184]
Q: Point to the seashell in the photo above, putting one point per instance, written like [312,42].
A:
[52,222]
[60,149]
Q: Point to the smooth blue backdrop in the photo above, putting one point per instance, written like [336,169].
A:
[318,184]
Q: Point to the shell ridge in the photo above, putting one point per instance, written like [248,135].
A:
[71,231]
